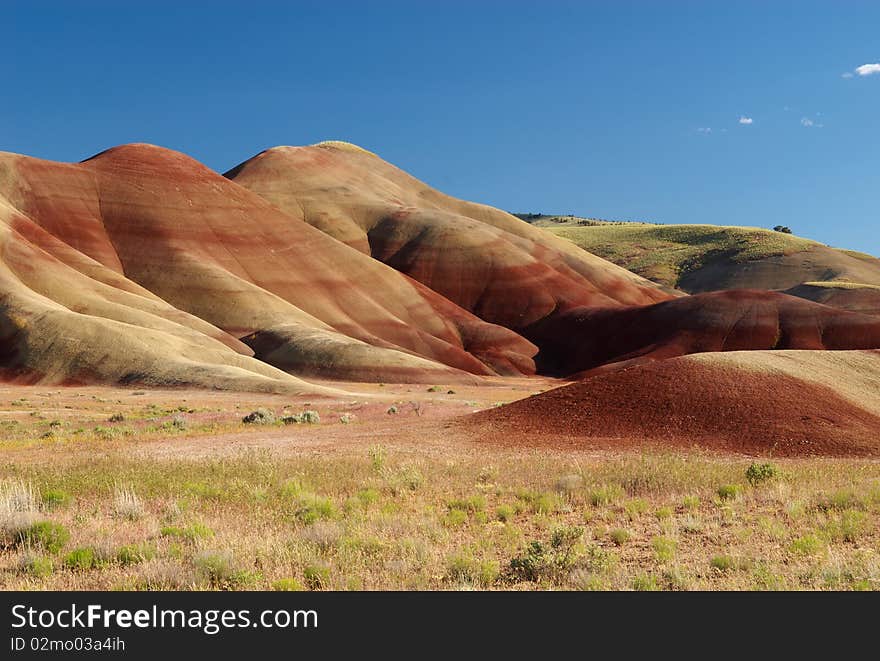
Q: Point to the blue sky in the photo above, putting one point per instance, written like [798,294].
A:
[594,108]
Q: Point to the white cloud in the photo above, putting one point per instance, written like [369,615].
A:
[868,69]
[809,123]
[746,120]
[704,130]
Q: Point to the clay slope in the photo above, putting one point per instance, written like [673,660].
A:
[781,403]
[718,321]
[854,297]
[149,238]
[485,260]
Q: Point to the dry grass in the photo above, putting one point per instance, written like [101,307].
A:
[664,253]
[388,518]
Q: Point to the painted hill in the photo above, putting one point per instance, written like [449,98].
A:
[485,260]
[141,265]
[700,258]
[163,257]
[737,320]
[522,277]
[786,403]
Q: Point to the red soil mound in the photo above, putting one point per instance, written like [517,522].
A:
[683,403]
[584,339]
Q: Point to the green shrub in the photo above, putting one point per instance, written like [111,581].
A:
[530,565]
[55,498]
[456,518]
[843,499]
[81,559]
[605,495]
[645,583]
[464,568]
[758,473]
[472,504]
[540,503]
[135,553]
[728,491]
[37,566]
[317,577]
[312,508]
[620,536]
[635,507]
[44,534]
[377,458]
[807,545]
[848,526]
[664,548]
[219,568]
[722,563]
[116,417]
[551,562]
[367,497]
[287,585]
[505,513]
[691,502]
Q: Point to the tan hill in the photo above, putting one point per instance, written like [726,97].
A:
[699,258]
[786,403]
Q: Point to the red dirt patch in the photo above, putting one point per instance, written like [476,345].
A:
[684,403]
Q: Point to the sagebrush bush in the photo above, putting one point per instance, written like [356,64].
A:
[540,561]
[306,417]
[126,503]
[259,417]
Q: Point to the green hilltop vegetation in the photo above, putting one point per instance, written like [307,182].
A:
[706,257]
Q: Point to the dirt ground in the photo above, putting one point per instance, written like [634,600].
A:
[407,415]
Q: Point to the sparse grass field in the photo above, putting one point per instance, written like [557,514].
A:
[402,507]
[664,253]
